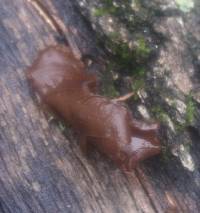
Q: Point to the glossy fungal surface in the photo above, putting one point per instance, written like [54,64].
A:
[64,85]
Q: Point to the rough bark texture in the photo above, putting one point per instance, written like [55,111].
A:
[43,170]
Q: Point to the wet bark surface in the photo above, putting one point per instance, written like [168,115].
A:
[41,166]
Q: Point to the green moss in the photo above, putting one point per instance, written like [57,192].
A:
[122,56]
[122,52]
[160,114]
[189,115]
[185,5]
[107,8]
[137,84]
[140,71]
[174,104]
[100,12]
[190,110]
[179,127]
[108,88]
[110,91]
[129,60]
[115,36]
[105,11]
[124,60]
[142,50]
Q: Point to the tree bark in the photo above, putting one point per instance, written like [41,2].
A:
[42,169]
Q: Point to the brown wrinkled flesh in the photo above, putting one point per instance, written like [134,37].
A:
[64,85]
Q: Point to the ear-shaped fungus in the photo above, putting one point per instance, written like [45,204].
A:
[64,85]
